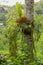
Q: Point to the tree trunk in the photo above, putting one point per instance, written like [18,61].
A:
[29,37]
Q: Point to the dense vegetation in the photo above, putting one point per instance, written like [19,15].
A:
[10,32]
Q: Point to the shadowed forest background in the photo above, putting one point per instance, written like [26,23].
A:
[8,25]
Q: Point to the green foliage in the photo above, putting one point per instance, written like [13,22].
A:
[38,8]
[13,34]
[38,26]
[3,40]
[39,38]
[4,60]
[19,10]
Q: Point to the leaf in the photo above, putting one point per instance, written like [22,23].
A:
[19,10]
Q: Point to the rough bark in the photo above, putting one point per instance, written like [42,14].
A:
[29,38]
